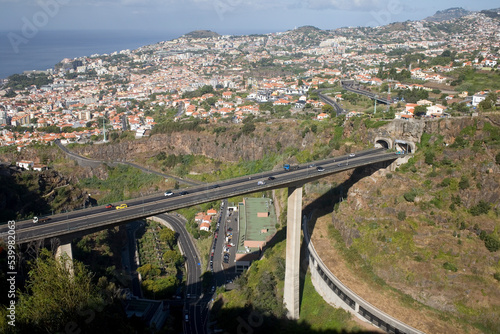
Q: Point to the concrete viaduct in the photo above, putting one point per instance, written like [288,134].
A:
[294,182]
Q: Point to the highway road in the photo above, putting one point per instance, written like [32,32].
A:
[96,218]
[327,99]
[354,89]
[91,161]
[195,306]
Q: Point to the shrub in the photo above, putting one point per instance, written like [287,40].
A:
[429,158]
[491,243]
[446,182]
[496,276]
[450,266]
[410,196]
[464,183]
[482,207]
[401,215]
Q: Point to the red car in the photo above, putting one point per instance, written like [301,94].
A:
[109,206]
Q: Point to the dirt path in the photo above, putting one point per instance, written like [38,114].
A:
[421,318]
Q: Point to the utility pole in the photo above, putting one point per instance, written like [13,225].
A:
[104,128]
[389,97]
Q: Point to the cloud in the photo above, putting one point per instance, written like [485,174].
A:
[353,5]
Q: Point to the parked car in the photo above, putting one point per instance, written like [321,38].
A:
[121,206]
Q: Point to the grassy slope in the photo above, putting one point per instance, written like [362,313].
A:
[417,233]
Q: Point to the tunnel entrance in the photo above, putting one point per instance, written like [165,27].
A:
[381,143]
[402,146]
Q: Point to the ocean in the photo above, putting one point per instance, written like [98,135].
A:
[46,48]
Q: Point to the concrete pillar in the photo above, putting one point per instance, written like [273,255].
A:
[66,249]
[292,277]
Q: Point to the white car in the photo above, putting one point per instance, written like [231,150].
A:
[261,183]
[168,193]
[352,155]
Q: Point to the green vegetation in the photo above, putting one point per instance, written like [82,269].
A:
[374,124]
[258,294]
[123,182]
[54,298]
[472,80]
[480,208]
[23,81]
[32,193]
[98,252]
[450,266]
[159,274]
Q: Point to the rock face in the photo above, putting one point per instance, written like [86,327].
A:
[411,131]
[226,147]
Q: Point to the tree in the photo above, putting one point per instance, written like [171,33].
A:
[482,207]
[57,296]
[173,258]
[489,102]
[491,243]
[420,110]
[248,128]
[327,109]
[168,236]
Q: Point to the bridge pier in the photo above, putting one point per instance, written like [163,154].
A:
[292,277]
[65,250]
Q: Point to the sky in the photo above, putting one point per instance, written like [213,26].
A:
[25,17]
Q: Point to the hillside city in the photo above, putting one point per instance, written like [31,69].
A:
[204,140]
[207,76]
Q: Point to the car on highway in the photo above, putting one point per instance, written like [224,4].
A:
[352,155]
[270,178]
[187,318]
[109,206]
[215,186]
[121,206]
[311,166]
[182,193]
[320,169]
[261,183]
[169,193]
[230,229]
[40,220]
